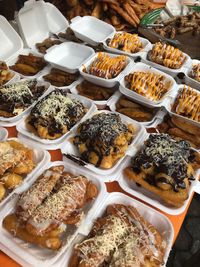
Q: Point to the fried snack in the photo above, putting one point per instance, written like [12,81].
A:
[179,129]
[187,103]
[150,85]
[165,167]
[14,159]
[93,91]
[60,78]
[195,73]
[55,115]
[103,139]
[122,237]
[57,198]
[17,97]
[107,67]
[167,56]
[5,74]
[29,65]
[46,44]
[126,42]
[134,110]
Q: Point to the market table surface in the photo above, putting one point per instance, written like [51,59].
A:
[111,187]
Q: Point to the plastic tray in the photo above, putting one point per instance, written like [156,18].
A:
[157,219]
[190,81]
[112,105]
[145,68]
[91,30]
[3,134]
[107,174]
[41,158]
[32,255]
[14,120]
[101,104]
[21,127]
[151,198]
[102,81]
[172,72]
[145,43]
[68,56]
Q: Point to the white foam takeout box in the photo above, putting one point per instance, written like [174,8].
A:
[12,121]
[3,134]
[112,105]
[57,143]
[141,67]
[32,255]
[41,158]
[95,32]
[102,81]
[157,219]
[69,149]
[188,79]
[149,197]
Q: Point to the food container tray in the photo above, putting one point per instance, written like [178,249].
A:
[171,102]
[107,174]
[102,81]
[68,56]
[14,120]
[145,68]
[172,72]
[22,128]
[112,105]
[151,198]
[190,81]
[36,256]
[41,158]
[101,104]
[157,219]
[145,43]
[3,134]
[91,30]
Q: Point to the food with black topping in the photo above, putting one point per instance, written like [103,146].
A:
[17,97]
[195,72]
[5,74]
[55,115]
[103,139]
[16,162]
[166,55]
[165,167]
[107,67]
[48,212]
[121,237]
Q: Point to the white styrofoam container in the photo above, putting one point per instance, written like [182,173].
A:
[101,104]
[157,219]
[142,99]
[170,103]
[112,173]
[112,105]
[146,46]
[31,255]
[68,56]
[91,30]
[102,81]
[172,72]
[22,128]
[3,134]
[188,79]
[151,198]
[41,158]
[14,120]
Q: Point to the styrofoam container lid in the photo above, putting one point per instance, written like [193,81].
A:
[35,255]
[32,22]
[188,79]
[10,41]
[91,30]
[102,81]
[68,56]
[148,69]
[3,134]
